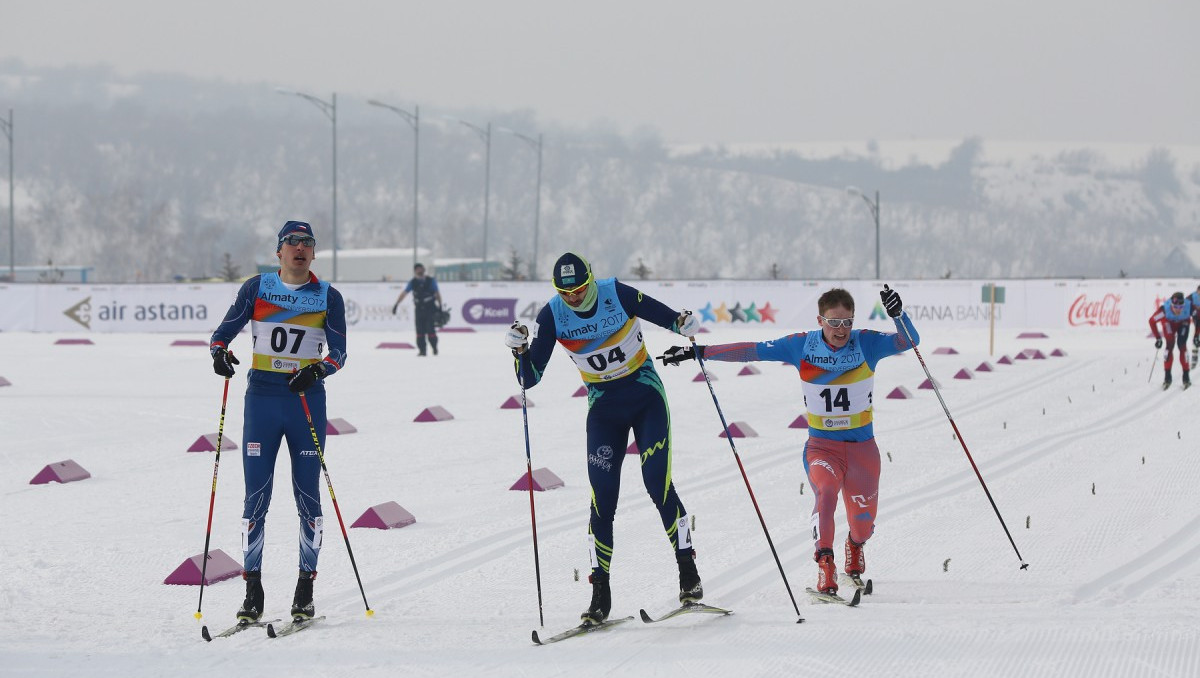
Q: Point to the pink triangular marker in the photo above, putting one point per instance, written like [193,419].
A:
[1004,360]
[900,393]
[1035,354]
[386,516]
[208,443]
[1033,335]
[394,344]
[435,413]
[514,403]
[632,449]
[749,369]
[580,392]
[5,382]
[944,350]
[964,373]
[700,377]
[60,472]
[799,422]
[543,479]
[984,366]
[189,342]
[74,342]
[220,567]
[338,427]
[1057,353]
[740,429]
[928,384]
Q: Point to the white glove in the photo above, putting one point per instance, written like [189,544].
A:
[689,324]
[517,337]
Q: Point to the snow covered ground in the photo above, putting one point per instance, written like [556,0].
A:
[1093,468]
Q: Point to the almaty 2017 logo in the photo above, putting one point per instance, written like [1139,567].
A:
[738,314]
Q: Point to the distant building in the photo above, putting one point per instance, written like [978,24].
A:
[47,274]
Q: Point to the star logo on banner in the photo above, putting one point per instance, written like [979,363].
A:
[707,315]
[723,313]
[767,312]
[739,316]
[752,313]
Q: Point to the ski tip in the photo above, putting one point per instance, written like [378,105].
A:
[270,630]
[856,598]
[205,634]
[645,617]
[536,640]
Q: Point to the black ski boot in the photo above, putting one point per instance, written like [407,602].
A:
[601,599]
[690,589]
[1167,381]
[302,602]
[252,606]
[1187,380]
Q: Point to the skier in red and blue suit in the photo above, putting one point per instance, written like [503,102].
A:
[295,318]
[1172,320]
[837,374]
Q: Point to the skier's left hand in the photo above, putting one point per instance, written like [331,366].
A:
[1196,340]
[688,324]
[306,377]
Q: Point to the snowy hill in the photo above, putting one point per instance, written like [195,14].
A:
[1091,467]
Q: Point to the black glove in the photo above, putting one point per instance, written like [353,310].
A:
[1196,339]
[305,377]
[678,354]
[223,362]
[1158,342]
[394,307]
[891,302]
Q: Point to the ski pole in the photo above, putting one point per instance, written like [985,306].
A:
[329,483]
[212,498]
[753,500]
[1152,364]
[537,567]
[959,437]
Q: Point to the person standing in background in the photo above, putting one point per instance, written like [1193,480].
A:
[427,304]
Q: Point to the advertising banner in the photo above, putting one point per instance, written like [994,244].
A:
[1082,305]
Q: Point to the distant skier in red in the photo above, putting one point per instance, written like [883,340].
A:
[1172,319]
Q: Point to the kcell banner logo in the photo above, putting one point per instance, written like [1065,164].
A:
[490,311]
[1104,312]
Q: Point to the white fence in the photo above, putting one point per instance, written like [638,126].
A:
[1085,305]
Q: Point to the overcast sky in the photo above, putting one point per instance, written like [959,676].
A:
[696,71]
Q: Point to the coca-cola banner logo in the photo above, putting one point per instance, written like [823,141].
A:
[1104,312]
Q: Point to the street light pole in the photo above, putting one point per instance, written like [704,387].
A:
[486,135]
[537,208]
[329,108]
[6,126]
[413,119]
[874,207]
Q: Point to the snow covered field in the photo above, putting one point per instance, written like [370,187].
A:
[1093,468]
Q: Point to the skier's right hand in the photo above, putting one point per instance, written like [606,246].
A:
[517,337]
[1157,342]
[223,362]
[1196,340]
